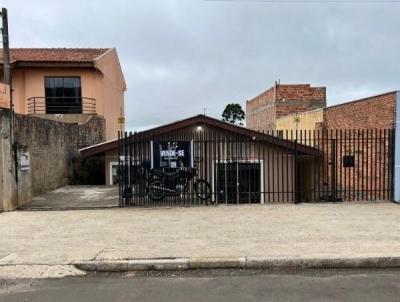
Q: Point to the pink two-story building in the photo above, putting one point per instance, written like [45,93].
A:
[69,85]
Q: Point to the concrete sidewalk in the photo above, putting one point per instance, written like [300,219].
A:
[77,197]
[275,232]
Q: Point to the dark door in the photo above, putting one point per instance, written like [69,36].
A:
[227,182]
[238,182]
[249,182]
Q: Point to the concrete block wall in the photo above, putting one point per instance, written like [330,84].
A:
[53,146]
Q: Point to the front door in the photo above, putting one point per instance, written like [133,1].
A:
[238,182]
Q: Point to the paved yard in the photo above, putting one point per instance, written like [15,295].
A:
[279,231]
[77,197]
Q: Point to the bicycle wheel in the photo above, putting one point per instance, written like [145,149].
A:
[202,189]
[156,190]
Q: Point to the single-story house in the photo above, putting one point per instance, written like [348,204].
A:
[241,165]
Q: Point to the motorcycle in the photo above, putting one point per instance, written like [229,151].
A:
[162,184]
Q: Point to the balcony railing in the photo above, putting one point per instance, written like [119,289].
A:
[61,105]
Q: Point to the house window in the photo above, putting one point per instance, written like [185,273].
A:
[63,95]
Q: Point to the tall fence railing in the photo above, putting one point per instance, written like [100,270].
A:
[298,166]
[357,164]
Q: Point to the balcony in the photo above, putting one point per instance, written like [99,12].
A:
[61,105]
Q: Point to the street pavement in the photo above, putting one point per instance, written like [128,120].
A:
[354,286]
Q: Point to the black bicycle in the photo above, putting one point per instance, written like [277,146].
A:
[162,184]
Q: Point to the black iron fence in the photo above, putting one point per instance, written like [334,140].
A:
[292,167]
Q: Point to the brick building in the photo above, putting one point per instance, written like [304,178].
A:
[359,132]
[374,117]
[280,100]
[374,112]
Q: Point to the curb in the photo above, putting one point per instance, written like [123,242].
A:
[173,264]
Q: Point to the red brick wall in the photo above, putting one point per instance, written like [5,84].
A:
[300,91]
[369,147]
[263,110]
[299,98]
[369,113]
[260,111]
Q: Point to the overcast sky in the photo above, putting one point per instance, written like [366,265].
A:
[180,56]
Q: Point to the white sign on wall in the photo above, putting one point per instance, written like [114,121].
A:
[24,160]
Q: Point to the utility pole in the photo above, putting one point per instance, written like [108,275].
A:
[8,80]
[7,68]
[6,48]
[10,182]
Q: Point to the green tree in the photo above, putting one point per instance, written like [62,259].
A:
[233,114]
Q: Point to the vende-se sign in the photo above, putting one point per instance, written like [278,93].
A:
[4,96]
[168,154]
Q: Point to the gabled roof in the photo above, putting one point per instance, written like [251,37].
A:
[204,120]
[54,55]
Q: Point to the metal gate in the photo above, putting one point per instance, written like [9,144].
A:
[310,166]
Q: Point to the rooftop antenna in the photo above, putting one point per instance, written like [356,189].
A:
[204,111]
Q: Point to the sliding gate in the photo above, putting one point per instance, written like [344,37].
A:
[311,166]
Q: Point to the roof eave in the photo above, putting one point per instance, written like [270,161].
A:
[99,148]
[256,135]
[47,64]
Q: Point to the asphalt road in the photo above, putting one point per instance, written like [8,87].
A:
[211,286]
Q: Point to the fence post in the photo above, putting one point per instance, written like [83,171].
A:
[396,166]
[119,174]
[296,178]
[333,170]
